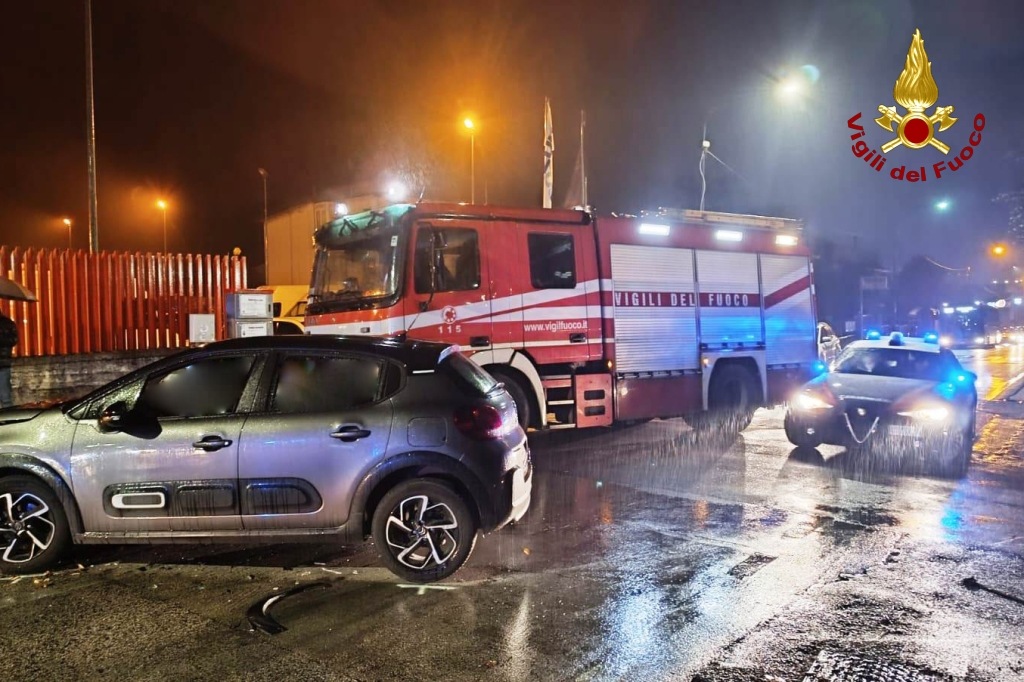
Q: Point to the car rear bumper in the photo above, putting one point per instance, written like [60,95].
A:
[516,493]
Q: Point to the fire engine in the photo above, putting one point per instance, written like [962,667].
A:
[588,320]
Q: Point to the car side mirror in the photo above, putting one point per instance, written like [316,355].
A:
[971,376]
[114,417]
[277,309]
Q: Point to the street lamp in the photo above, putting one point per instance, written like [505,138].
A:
[471,127]
[266,246]
[998,250]
[942,205]
[67,224]
[162,205]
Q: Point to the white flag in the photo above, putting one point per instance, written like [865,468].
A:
[549,154]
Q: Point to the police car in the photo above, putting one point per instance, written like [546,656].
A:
[890,394]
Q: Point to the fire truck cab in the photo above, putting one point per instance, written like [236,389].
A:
[588,320]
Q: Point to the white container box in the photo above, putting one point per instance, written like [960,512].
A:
[202,328]
[250,305]
[242,329]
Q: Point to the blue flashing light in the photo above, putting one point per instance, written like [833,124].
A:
[819,368]
[931,337]
[873,335]
[947,390]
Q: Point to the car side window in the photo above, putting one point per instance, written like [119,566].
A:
[456,254]
[308,383]
[206,388]
[552,260]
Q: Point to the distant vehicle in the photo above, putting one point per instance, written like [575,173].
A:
[969,326]
[272,438]
[587,320]
[289,307]
[1012,335]
[889,394]
[829,343]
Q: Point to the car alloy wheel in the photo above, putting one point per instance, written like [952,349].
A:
[423,533]
[26,530]
[424,530]
[34,531]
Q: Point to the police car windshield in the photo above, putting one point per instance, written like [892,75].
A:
[894,362]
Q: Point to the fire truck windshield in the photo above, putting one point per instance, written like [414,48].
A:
[361,273]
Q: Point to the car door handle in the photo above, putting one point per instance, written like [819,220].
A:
[577,338]
[479,341]
[211,443]
[350,434]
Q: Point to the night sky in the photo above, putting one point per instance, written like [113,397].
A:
[193,96]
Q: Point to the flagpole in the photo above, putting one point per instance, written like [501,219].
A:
[583,159]
[549,153]
[90,134]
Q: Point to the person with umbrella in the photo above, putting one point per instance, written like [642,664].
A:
[13,291]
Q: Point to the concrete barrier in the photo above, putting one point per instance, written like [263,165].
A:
[63,377]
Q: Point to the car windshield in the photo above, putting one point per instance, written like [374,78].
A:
[894,362]
[357,271]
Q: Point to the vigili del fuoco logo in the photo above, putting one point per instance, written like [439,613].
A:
[915,91]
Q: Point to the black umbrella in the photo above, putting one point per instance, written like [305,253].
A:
[14,291]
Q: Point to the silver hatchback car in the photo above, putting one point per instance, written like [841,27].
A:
[274,438]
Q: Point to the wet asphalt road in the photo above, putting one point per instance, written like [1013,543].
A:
[646,555]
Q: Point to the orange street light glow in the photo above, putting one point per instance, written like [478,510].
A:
[161,204]
[468,122]
[67,222]
[998,250]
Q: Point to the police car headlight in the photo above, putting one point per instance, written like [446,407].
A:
[809,402]
[931,413]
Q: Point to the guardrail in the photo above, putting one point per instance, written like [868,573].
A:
[113,301]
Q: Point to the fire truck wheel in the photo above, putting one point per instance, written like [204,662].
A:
[732,397]
[522,400]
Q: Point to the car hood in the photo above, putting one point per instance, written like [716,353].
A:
[888,389]
[14,415]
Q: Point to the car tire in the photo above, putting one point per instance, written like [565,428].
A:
[34,531]
[963,448]
[519,396]
[732,401]
[424,530]
[800,437]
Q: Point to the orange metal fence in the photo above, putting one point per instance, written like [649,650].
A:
[109,301]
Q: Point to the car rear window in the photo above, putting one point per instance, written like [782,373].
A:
[468,373]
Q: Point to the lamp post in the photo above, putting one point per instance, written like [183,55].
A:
[162,205]
[67,224]
[471,127]
[266,247]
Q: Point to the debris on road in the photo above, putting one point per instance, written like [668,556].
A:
[973,585]
[259,616]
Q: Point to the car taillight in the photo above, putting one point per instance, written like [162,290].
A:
[482,422]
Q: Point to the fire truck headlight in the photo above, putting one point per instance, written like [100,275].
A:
[654,229]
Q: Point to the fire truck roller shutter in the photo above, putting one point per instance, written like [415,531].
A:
[730,299]
[788,309]
[653,301]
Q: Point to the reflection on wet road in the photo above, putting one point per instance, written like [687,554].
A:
[648,554]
